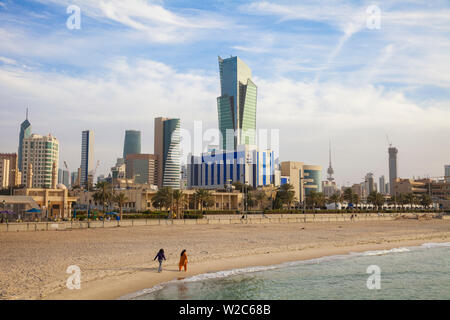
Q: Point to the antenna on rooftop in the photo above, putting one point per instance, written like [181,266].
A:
[389,142]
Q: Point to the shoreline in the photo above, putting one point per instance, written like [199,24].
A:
[127,285]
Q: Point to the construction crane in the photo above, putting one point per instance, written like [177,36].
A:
[388,141]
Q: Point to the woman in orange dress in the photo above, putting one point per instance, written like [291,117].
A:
[183,261]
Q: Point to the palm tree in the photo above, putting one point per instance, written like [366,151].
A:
[376,198]
[410,199]
[120,199]
[162,198]
[335,198]
[425,200]
[260,196]
[204,197]
[286,194]
[178,200]
[103,192]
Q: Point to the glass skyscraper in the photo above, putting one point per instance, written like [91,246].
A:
[168,152]
[132,144]
[87,155]
[392,168]
[25,132]
[237,104]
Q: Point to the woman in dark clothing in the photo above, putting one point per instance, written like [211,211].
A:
[160,255]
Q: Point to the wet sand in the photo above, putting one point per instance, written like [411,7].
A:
[116,262]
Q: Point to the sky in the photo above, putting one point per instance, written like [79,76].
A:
[361,74]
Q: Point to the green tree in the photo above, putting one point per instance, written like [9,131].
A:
[120,199]
[286,194]
[178,201]
[103,193]
[162,198]
[410,199]
[260,196]
[425,200]
[205,198]
[376,198]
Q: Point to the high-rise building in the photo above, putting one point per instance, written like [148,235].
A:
[14,173]
[132,143]
[87,155]
[63,177]
[369,183]
[73,178]
[4,173]
[25,132]
[392,168]
[237,104]
[167,151]
[142,168]
[40,152]
[217,169]
[447,173]
[382,185]
[313,178]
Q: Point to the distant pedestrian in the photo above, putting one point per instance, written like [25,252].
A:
[183,260]
[160,255]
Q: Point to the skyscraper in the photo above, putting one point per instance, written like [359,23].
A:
[330,170]
[142,168]
[237,104]
[132,143]
[167,151]
[382,185]
[25,132]
[40,153]
[447,173]
[87,155]
[369,183]
[392,168]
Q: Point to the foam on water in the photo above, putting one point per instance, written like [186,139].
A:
[242,271]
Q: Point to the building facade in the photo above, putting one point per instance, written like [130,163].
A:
[132,143]
[25,132]
[40,152]
[447,173]
[237,104]
[4,173]
[142,168]
[392,167]
[87,155]
[63,177]
[217,169]
[168,152]
[382,185]
[304,178]
[14,173]
[313,178]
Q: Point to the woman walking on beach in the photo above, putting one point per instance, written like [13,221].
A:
[183,260]
[160,255]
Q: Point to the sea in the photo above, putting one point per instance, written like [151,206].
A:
[407,273]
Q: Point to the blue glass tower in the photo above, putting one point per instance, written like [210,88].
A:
[25,132]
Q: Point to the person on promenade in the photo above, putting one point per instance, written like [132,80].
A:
[160,255]
[183,260]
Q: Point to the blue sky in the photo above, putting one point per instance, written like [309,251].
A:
[321,73]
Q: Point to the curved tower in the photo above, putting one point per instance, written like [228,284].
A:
[132,144]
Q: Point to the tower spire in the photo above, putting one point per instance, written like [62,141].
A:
[330,170]
[26,115]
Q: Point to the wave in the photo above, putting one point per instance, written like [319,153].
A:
[234,272]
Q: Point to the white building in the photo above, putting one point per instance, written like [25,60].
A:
[41,152]
[4,173]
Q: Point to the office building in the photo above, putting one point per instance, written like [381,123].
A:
[382,185]
[40,152]
[142,168]
[392,167]
[63,177]
[313,178]
[87,156]
[132,143]
[219,169]
[4,173]
[14,173]
[369,183]
[447,173]
[167,151]
[237,104]
[118,171]
[25,132]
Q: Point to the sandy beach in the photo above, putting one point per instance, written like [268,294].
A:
[119,261]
